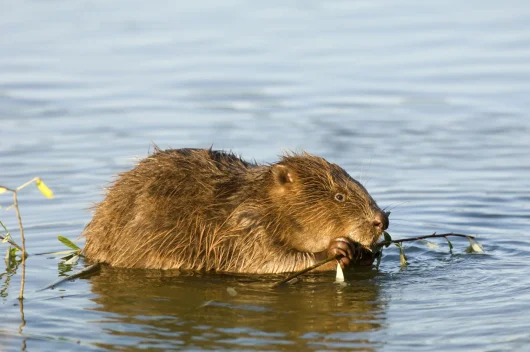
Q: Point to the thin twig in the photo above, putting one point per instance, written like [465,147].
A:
[87,270]
[10,241]
[7,188]
[380,244]
[303,271]
[34,179]
[23,280]
[434,235]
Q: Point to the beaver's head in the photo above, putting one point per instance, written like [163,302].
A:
[318,201]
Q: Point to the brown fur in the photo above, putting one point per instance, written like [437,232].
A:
[210,210]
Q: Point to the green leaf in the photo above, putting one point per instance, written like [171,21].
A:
[67,257]
[72,261]
[430,244]
[402,257]
[10,256]
[378,257]
[68,243]
[450,245]
[388,238]
[70,251]
[474,246]
[4,226]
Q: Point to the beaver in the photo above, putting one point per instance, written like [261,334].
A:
[204,209]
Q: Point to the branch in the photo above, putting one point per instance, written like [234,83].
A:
[434,235]
[379,245]
[7,189]
[10,241]
[303,271]
[34,179]
[89,269]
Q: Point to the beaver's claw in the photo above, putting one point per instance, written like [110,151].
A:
[344,248]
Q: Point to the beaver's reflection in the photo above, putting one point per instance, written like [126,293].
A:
[170,309]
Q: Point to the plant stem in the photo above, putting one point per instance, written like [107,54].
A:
[89,269]
[22,319]
[303,271]
[380,244]
[10,241]
[23,280]
[434,235]
[23,249]
[34,179]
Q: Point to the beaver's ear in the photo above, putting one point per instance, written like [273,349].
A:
[282,175]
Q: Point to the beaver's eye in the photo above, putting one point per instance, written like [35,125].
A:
[339,197]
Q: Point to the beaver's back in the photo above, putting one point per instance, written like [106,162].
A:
[163,207]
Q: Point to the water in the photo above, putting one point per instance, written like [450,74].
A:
[427,104]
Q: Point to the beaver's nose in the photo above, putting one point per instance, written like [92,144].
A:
[380,220]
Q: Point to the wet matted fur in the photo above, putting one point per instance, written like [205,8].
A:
[202,209]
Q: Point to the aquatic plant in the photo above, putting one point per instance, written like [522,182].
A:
[474,247]
[13,247]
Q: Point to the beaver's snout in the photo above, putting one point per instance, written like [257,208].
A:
[380,220]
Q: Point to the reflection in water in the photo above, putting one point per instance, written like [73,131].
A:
[22,323]
[166,309]
[5,277]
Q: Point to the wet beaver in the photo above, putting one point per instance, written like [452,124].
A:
[202,209]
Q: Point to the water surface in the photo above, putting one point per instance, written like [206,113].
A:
[426,104]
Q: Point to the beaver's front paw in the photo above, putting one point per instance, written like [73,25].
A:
[344,248]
